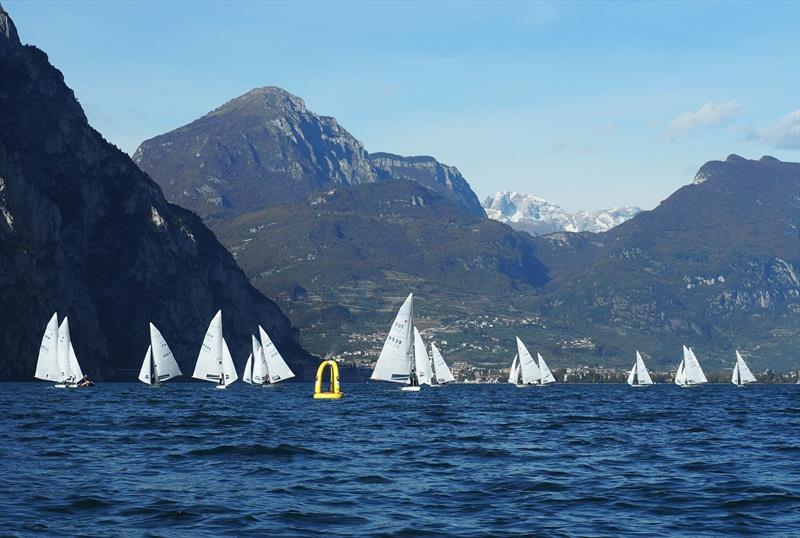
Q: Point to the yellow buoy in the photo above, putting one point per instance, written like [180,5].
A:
[334,392]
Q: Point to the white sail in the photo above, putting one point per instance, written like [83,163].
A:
[513,374]
[260,372]
[164,364]
[692,371]
[277,368]
[741,373]
[145,373]
[680,375]
[394,362]
[547,375]
[441,370]
[47,364]
[639,374]
[247,375]
[227,365]
[528,367]
[209,360]
[62,353]
[421,360]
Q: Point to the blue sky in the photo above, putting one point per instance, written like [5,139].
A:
[588,104]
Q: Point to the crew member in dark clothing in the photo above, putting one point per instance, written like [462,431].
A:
[221,379]
[85,382]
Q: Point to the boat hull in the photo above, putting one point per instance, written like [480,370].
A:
[410,389]
[221,387]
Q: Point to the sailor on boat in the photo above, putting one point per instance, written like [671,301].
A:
[85,382]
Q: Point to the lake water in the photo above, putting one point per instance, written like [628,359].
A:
[462,460]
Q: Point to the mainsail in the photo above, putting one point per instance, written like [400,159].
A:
[62,353]
[394,362]
[164,364]
[741,373]
[546,374]
[441,370]
[47,364]
[276,369]
[421,360]
[530,370]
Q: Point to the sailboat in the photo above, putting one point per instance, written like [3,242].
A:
[276,368]
[639,376]
[396,361]
[159,364]
[689,372]
[546,376]
[57,361]
[741,373]
[214,362]
[513,373]
[441,372]
[529,370]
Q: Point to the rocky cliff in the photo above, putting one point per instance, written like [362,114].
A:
[446,180]
[266,148]
[84,232]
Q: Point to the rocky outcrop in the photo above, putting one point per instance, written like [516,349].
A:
[84,232]
[446,180]
[266,148]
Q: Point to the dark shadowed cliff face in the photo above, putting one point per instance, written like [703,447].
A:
[84,232]
[265,148]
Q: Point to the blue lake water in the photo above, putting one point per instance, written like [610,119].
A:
[462,460]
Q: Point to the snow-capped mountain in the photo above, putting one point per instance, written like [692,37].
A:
[538,216]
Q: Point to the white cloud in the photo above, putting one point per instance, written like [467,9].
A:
[784,133]
[708,114]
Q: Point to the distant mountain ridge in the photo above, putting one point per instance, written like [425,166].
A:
[715,265]
[266,148]
[84,232]
[537,216]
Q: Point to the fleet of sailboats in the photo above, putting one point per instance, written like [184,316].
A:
[741,373]
[57,361]
[639,376]
[404,359]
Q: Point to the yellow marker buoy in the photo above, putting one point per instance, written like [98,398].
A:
[334,392]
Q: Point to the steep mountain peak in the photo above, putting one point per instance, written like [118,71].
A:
[270,100]
[733,158]
[9,39]
[266,148]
